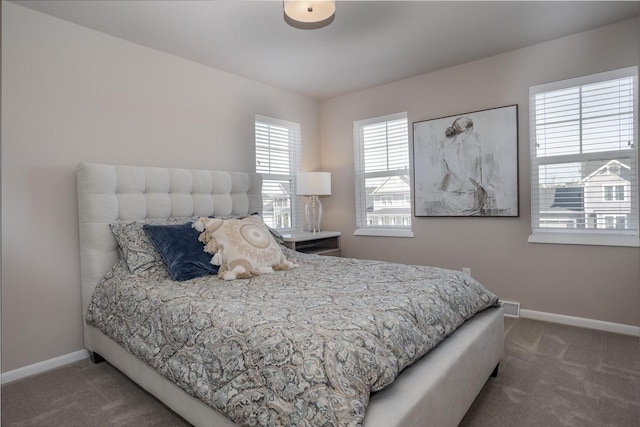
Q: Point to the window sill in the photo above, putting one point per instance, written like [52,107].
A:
[383,232]
[585,239]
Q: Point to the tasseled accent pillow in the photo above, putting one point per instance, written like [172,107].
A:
[242,247]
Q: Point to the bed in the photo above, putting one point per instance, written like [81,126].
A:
[434,390]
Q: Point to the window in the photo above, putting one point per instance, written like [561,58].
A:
[608,222]
[277,159]
[617,222]
[621,222]
[609,192]
[584,160]
[381,163]
[386,200]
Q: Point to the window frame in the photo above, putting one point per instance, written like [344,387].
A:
[585,236]
[363,228]
[295,151]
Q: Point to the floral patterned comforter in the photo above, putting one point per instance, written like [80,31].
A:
[304,347]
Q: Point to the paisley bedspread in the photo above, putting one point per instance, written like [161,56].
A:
[304,347]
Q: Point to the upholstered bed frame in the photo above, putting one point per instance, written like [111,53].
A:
[435,391]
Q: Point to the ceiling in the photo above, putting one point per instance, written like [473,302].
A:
[368,44]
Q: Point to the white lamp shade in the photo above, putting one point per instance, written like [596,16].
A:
[314,184]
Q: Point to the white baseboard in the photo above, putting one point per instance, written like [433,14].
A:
[582,322]
[43,366]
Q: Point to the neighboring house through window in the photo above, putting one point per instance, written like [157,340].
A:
[584,160]
[382,178]
[277,159]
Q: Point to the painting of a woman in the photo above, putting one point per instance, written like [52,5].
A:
[462,184]
[467,165]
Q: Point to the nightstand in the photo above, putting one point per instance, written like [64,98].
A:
[320,243]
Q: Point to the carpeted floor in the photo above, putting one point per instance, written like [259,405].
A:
[557,375]
[551,375]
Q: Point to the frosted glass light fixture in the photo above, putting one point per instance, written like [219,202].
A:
[313,184]
[309,14]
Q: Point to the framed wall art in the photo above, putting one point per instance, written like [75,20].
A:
[467,164]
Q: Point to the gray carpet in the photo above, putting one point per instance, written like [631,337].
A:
[551,375]
[556,375]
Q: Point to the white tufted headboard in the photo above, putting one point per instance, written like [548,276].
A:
[108,192]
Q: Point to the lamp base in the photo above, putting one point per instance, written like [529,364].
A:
[313,214]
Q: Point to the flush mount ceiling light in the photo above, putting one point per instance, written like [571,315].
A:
[309,14]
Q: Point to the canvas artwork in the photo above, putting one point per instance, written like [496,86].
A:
[467,165]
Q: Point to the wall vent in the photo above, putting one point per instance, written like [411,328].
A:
[511,308]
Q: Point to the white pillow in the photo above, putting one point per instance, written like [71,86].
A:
[242,247]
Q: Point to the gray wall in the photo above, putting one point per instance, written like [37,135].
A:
[586,281]
[69,95]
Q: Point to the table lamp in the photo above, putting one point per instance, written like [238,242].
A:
[313,184]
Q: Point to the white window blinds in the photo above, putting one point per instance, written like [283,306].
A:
[278,147]
[584,159]
[382,181]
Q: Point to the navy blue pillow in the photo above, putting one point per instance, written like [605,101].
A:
[180,250]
